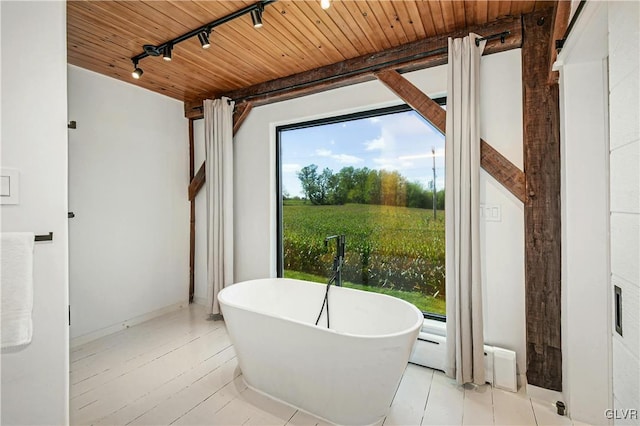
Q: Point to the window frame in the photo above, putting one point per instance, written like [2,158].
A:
[321,122]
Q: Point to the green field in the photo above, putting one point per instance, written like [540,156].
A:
[392,250]
[421,301]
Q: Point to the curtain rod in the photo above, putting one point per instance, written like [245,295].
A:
[502,36]
[574,18]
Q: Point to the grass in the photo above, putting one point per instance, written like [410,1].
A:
[421,301]
[393,250]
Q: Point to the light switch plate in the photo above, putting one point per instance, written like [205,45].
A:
[9,186]
[491,212]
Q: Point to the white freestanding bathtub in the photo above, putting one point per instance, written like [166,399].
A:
[347,374]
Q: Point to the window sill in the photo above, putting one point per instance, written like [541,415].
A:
[437,328]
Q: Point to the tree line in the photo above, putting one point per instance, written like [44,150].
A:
[365,186]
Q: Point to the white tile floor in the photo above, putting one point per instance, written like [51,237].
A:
[181,369]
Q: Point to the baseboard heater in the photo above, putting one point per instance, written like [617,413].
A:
[499,364]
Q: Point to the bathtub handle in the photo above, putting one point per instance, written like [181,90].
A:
[338,260]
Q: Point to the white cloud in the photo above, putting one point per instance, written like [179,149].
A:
[407,125]
[439,153]
[347,159]
[375,144]
[290,168]
[383,163]
[374,120]
[340,158]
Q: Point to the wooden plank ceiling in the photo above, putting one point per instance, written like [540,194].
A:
[297,36]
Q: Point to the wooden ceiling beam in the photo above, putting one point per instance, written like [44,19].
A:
[494,163]
[407,57]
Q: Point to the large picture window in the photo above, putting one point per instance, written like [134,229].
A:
[378,178]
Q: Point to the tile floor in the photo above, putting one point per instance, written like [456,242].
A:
[181,369]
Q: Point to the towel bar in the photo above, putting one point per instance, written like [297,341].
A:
[44,237]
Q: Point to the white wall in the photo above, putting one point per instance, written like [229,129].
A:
[503,246]
[599,68]
[35,378]
[128,179]
[503,242]
[585,234]
[585,219]
[624,104]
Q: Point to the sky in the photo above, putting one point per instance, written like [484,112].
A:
[401,141]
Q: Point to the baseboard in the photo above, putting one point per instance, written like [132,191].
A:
[94,335]
[542,394]
[522,380]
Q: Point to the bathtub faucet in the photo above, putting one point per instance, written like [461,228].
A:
[338,260]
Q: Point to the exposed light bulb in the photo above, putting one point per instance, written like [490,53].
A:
[203,36]
[325,4]
[166,54]
[256,17]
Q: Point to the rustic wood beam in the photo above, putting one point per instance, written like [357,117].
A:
[498,166]
[503,170]
[408,57]
[192,219]
[240,113]
[560,23]
[414,97]
[541,121]
[194,112]
[197,183]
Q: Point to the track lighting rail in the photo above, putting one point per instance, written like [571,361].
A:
[201,32]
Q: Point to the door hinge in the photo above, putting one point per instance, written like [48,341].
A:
[69,306]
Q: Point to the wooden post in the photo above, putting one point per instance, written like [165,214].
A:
[541,119]
[192,220]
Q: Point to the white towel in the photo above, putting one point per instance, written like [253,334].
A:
[16,279]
